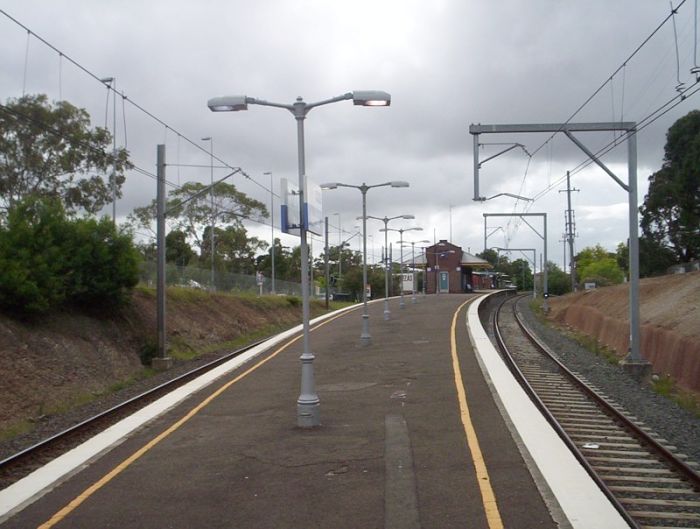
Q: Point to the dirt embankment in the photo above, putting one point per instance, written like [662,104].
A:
[63,359]
[670,322]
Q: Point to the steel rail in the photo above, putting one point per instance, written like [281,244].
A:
[522,379]
[48,443]
[679,466]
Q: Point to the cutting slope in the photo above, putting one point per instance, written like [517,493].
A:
[670,318]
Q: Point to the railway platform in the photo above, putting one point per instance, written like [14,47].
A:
[419,429]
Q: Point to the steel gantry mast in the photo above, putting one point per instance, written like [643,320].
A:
[634,361]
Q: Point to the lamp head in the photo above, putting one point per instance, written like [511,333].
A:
[228,103]
[399,183]
[371,98]
[408,217]
[330,185]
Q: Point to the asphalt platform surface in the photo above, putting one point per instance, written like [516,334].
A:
[391,451]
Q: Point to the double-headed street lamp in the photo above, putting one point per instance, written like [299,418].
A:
[365,336]
[401,230]
[413,265]
[308,413]
[386,220]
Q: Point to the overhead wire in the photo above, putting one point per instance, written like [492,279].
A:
[624,63]
[641,125]
[683,93]
[124,99]
[26,62]
[679,85]
[110,88]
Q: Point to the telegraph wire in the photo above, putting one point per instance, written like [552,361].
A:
[121,94]
[623,65]
[641,125]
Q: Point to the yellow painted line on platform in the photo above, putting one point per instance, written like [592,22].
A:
[488,499]
[75,503]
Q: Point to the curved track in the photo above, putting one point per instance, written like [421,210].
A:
[22,463]
[647,483]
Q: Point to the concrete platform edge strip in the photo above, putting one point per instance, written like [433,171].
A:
[20,494]
[581,500]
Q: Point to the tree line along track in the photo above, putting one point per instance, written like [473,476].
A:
[649,485]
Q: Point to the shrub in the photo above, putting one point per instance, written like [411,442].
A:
[31,256]
[102,264]
[48,260]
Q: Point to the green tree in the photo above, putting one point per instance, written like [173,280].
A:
[654,257]
[489,255]
[671,209]
[352,282]
[50,150]
[102,264]
[283,263]
[31,258]
[521,274]
[558,281]
[603,272]
[234,250]
[596,264]
[48,259]
[177,249]
[195,215]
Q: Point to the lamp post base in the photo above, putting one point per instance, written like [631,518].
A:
[365,337]
[308,414]
[161,363]
[387,312]
[640,370]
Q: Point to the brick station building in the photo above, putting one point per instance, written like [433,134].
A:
[451,269]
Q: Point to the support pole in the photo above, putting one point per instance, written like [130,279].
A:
[328,272]
[308,403]
[161,361]
[545,292]
[476,171]
[570,232]
[638,366]
[365,337]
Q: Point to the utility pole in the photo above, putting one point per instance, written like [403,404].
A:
[570,231]
[328,272]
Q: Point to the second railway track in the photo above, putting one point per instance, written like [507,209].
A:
[25,461]
[650,485]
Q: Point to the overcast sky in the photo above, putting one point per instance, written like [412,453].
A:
[446,64]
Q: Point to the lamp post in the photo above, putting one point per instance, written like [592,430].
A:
[340,247]
[401,230]
[413,266]
[386,220]
[365,336]
[211,198]
[272,233]
[308,413]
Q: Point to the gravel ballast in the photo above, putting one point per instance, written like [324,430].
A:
[661,415]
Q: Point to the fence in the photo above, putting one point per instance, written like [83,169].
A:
[684,268]
[194,277]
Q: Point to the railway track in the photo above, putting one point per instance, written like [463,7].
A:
[22,463]
[650,485]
